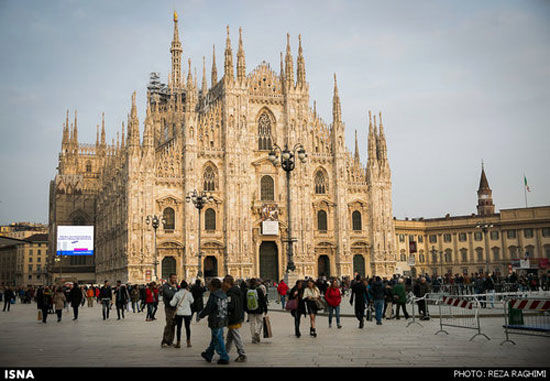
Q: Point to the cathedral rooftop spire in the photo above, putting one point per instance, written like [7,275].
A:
[75,131]
[356,156]
[301,70]
[66,137]
[228,63]
[175,50]
[204,87]
[241,65]
[371,142]
[289,65]
[214,76]
[336,108]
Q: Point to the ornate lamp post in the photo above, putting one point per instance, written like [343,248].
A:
[288,163]
[154,221]
[485,228]
[199,200]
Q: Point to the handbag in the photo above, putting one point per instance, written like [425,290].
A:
[320,303]
[267,328]
[291,305]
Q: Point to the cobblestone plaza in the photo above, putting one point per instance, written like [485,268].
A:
[132,342]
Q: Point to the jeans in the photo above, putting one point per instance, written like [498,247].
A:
[120,307]
[492,297]
[7,303]
[233,335]
[297,316]
[217,344]
[59,313]
[134,305]
[179,320]
[336,310]
[106,306]
[150,308]
[75,312]
[378,308]
[45,313]
[283,297]
[155,307]
[256,325]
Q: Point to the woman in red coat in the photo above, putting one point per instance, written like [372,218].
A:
[333,296]
[150,299]
[282,289]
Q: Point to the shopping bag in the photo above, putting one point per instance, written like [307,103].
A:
[267,328]
[39,315]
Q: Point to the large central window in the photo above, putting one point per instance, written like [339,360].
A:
[267,189]
[264,132]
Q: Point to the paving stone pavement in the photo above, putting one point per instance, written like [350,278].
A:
[133,342]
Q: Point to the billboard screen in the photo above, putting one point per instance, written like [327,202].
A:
[75,240]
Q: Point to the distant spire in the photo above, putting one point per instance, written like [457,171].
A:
[133,129]
[289,65]
[301,70]
[214,78]
[336,108]
[75,133]
[282,71]
[228,63]
[103,129]
[483,183]
[189,75]
[485,205]
[204,87]
[175,51]
[371,143]
[97,135]
[122,143]
[65,139]
[148,129]
[357,159]
[315,108]
[241,65]
[382,139]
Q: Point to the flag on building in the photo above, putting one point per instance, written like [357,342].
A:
[525,181]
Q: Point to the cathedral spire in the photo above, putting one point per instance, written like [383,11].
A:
[103,129]
[371,143]
[65,139]
[189,75]
[214,78]
[228,63]
[97,135]
[356,156]
[315,108]
[282,70]
[148,129]
[336,108]
[382,140]
[204,88]
[241,65]
[301,70]
[122,142]
[133,128]
[75,132]
[289,65]
[175,50]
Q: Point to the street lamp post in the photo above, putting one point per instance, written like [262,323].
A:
[59,259]
[154,221]
[485,228]
[199,200]
[288,163]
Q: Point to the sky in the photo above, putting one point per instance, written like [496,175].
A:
[457,82]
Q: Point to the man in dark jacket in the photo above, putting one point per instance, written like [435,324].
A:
[168,291]
[421,288]
[75,296]
[378,294]
[216,310]
[106,297]
[359,293]
[255,306]
[8,296]
[235,317]
[197,290]
[121,298]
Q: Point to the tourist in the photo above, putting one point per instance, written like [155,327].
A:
[83,300]
[388,301]
[8,296]
[142,296]
[377,291]
[150,301]
[216,310]
[420,290]
[198,291]
[256,307]
[168,291]
[311,296]
[297,293]
[58,302]
[44,302]
[134,297]
[400,298]
[359,293]
[489,286]
[90,296]
[121,298]
[282,289]
[235,317]
[182,301]
[106,297]
[333,296]
[75,296]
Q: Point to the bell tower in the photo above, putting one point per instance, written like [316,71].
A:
[485,206]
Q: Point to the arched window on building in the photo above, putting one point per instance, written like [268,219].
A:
[464,255]
[496,254]
[403,256]
[512,251]
[210,219]
[170,218]
[209,179]
[321,186]
[434,257]
[479,252]
[267,189]
[322,220]
[264,132]
[421,257]
[356,220]
[448,256]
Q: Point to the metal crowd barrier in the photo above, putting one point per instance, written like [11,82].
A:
[536,323]
[413,301]
[460,312]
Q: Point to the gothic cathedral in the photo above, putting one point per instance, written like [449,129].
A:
[218,139]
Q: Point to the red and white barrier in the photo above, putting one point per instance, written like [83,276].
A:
[456,302]
[528,304]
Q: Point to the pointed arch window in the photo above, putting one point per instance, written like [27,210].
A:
[267,188]
[210,219]
[170,217]
[321,186]
[209,180]
[88,167]
[264,132]
[322,220]
[356,220]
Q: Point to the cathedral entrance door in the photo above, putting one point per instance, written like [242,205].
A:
[269,261]
[323,266]
[210,267]
[359,265]
[168,267]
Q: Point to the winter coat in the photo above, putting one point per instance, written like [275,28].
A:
[235,307]
[168,292]
[399,290]
[421,289]
[186,298]
[121,295]
[333,296]
[216,310]
[75,296]
[151,295]
[360,294]
[377,290]
[134,295]
[282,288]
[301,309]
[106,293]
[198,292]
[59,300]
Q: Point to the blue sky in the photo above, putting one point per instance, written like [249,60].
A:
[456,81]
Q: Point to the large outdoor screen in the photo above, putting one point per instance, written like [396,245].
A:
[75,240]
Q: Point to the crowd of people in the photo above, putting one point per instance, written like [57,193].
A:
[229,301]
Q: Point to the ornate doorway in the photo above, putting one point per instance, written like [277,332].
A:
[168,267]
[323,266]
[269,261]
[210,267]
[359,264]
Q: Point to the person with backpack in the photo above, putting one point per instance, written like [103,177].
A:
[235,317]
[216,310]
[44,302]
[256,307]
[182,301]
[8,296]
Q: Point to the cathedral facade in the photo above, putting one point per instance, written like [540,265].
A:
[216,137]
